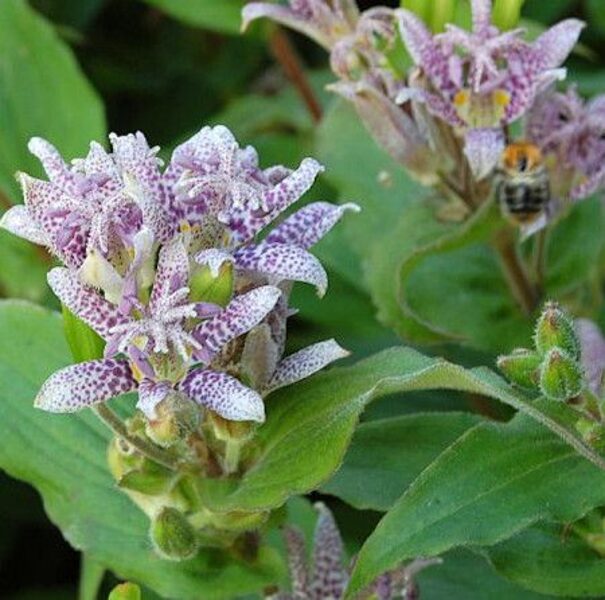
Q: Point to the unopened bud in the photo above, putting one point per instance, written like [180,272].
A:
[561,377]
[122,458]
[172,535]
[177,417]
[522,368]
[125,591]
[205,286]
[150,479]
[556,330]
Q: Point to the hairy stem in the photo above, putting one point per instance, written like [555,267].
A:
[521,287]
[287,57]
[113,421]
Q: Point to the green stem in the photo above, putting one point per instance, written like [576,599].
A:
[521,287]
[232,453]
[540,252]
[113,421]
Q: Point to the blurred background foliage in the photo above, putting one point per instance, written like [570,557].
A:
[73,70]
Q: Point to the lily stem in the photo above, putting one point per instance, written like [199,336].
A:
[286,55]
[113,421]
[523,290]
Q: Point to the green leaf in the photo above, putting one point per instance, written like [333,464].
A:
[42,92]
[379,185]
[465,576]
[309,425]
[548,559]
[493,482]
[63,456]
[224,16]
[386,456]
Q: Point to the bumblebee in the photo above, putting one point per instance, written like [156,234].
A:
[522,184]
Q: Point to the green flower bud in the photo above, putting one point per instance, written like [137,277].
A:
[177,417]
[561,377]
[125,591]
[556,329]
[122,458]
[205,286]
[172,535]
[522,368]
[151,479]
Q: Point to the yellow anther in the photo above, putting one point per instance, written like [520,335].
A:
[462,98]
[501,98]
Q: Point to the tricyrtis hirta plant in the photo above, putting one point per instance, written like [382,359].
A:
[166,266]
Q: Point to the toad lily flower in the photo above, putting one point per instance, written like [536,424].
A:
[327,578]
[571,134]
[97,214]
[592,345]
[222,189]
[324,21]
[482,80]
[146,338]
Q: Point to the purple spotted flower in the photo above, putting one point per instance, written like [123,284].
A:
[326,577]
[571,134]
[482,80]
[140,236]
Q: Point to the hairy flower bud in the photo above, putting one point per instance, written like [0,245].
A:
[172,535]
[556,330]
[522,367]
[561,377]
[176,418]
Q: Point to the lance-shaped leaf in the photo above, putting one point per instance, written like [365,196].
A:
[283,262]
[305,363]
[85,384]
[308,225]
[241,314]
[493,482]
[224,395]
[309,425]
[64,457]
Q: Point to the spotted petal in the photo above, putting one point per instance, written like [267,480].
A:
[283,262]
[308,225]
[214,258]
[172,271]
[245,224]
[329,576]
[85,302]
[555,44]
[55,167]
[19,221]
[240,316]
[482,15]
[85,384]
[305,363]
[593,353]
[483,148]
[286,16]
[224,395]
[297,561]
[151,393]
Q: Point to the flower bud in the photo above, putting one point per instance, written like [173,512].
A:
[122,459]
[172,535]
[556,329]
[561,377]
[177,417]
[125,591]
[205,287]
[150,479]
[522,368]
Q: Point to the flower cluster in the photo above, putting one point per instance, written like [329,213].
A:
[446,120]
[166,266]
[327,577]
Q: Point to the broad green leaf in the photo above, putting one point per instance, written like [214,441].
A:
[42,92]
[386,456]
[465,576]
[379,185]
[492,483]
[550,559]
[309,425]
[223,16]
[63,456]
